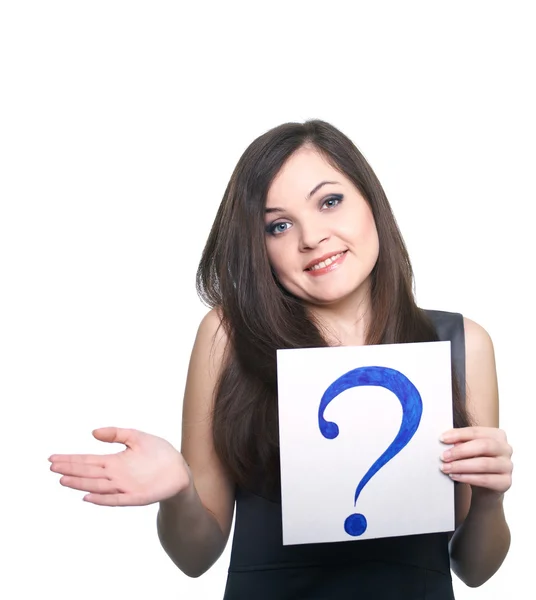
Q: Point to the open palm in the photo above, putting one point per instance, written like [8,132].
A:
[148,470]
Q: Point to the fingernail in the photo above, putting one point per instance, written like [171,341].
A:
[446,467]
[447,454]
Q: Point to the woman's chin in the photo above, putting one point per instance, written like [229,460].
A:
[326,300]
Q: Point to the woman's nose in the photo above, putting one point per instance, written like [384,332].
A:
[312,236]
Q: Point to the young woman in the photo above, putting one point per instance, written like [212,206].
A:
[304,252]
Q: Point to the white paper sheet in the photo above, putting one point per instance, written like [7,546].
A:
[320,476]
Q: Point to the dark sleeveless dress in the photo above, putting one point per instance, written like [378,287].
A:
[402,568]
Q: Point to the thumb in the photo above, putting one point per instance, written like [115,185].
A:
[115,435]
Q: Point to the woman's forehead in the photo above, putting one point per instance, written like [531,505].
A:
[300,174]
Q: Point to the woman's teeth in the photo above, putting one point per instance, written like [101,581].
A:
[325,263]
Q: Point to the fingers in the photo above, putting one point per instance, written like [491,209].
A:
[103,434]
[476,447]
[79,469]
[490,465]
[84,484]
[465,434]
[115,435]
[114,500]
[96,460]
[490,473]
[480,457]
[490,481]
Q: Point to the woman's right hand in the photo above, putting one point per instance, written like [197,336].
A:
[148,470]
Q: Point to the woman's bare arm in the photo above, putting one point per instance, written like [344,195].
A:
[482,537]
[194,526]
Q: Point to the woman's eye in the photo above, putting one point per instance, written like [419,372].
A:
[278,228]
[332,201]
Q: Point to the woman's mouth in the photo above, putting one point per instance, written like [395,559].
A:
[327,264]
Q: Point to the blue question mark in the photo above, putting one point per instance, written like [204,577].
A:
[411,401]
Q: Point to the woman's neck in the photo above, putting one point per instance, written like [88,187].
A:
[345,323]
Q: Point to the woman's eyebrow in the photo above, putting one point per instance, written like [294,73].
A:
[317,187]
[308,197]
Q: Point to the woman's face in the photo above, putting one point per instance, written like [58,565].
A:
[321,238]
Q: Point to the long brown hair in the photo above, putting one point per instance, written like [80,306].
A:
[260,316]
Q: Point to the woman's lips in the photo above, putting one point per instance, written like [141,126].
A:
[328,265]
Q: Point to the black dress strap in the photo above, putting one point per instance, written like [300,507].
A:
[449,326]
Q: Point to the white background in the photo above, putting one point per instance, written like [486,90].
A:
[319,476]
[120,124]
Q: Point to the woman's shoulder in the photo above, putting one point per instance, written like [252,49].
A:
[480,352]
[476,336]
[205,366]
[211,333]
[212,319]
[474,333]
[474,356]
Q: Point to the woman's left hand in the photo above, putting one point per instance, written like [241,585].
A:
[480,456]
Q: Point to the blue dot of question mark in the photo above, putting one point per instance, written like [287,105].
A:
[408,395]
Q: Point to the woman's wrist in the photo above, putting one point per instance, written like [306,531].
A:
[184,496]
[484,499]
